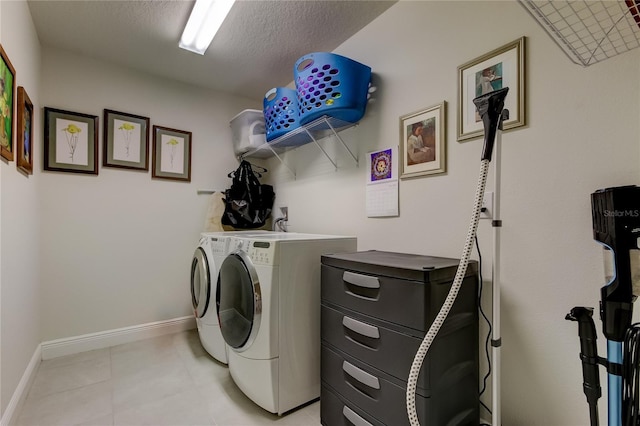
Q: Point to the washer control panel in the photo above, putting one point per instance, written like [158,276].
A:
[218,246]
[239,244]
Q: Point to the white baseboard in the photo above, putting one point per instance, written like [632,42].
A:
[88,342]
[21,391]
[105,339]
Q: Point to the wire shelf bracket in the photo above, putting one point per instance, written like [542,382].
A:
[589,31]
[313,132]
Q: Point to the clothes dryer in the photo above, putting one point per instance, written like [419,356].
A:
[211,250]
[269,310]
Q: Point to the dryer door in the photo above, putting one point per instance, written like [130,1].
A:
[239,301]
[200,283]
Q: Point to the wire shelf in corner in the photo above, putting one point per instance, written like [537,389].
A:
[589,31]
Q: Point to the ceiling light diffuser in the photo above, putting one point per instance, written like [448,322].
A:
[204,22]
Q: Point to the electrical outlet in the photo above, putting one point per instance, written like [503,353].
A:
[486,211]
[281,223]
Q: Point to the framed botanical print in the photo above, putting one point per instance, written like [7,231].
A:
[126,141]
[70,141]
[171,154]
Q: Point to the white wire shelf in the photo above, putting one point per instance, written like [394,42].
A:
[589,31]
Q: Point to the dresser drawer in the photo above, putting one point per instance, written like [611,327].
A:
[375,393]
[336,411]
[409,303]
[388,348]
[371,342]
[383,397]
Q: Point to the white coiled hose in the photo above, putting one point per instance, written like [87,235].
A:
[451,298]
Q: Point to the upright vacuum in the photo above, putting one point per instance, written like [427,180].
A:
[616,225]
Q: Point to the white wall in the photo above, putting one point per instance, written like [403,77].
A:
[583,134]
[116,248]
[20,209]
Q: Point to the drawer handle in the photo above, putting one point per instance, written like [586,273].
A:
[350,415]
[361,328]
[365,281]
[361,375]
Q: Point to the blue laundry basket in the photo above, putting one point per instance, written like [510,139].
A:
[332,85]
[280,107]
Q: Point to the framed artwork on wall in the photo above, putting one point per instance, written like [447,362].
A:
[24,131]
[171,154]
[7,103]
[70,141]
[502,67]
[126,141]
[423,142]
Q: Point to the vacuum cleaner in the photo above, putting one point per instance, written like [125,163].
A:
[616,225]
[491,109]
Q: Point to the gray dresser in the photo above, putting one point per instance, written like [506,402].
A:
[376,308]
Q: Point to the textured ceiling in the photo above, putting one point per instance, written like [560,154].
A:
[254,50]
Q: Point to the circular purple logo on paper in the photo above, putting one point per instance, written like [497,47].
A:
[381,165]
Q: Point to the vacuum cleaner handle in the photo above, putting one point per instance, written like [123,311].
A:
[589,357]
[490,107]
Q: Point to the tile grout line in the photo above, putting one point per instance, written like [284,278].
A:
[113,407]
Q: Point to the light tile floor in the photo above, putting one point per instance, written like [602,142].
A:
[168,380]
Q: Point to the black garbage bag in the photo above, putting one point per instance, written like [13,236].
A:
[248,203]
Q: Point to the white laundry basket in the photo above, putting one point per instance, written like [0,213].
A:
[248,131]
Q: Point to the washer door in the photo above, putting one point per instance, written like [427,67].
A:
[200,283]
[239,301]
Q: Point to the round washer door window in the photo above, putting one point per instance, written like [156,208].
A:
[239,301]
[200,283]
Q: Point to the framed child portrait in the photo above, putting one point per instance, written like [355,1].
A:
[500,68]
[423,142]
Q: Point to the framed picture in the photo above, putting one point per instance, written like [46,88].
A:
[171,154]
[423,142]
[7,93]
[70,141]
[502,67]
[24,131]
[126,141]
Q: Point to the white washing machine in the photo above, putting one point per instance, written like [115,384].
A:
[269,310]
[211,251]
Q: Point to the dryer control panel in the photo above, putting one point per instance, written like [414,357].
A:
[262,252]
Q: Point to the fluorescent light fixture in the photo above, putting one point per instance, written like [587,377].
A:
[205,21]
